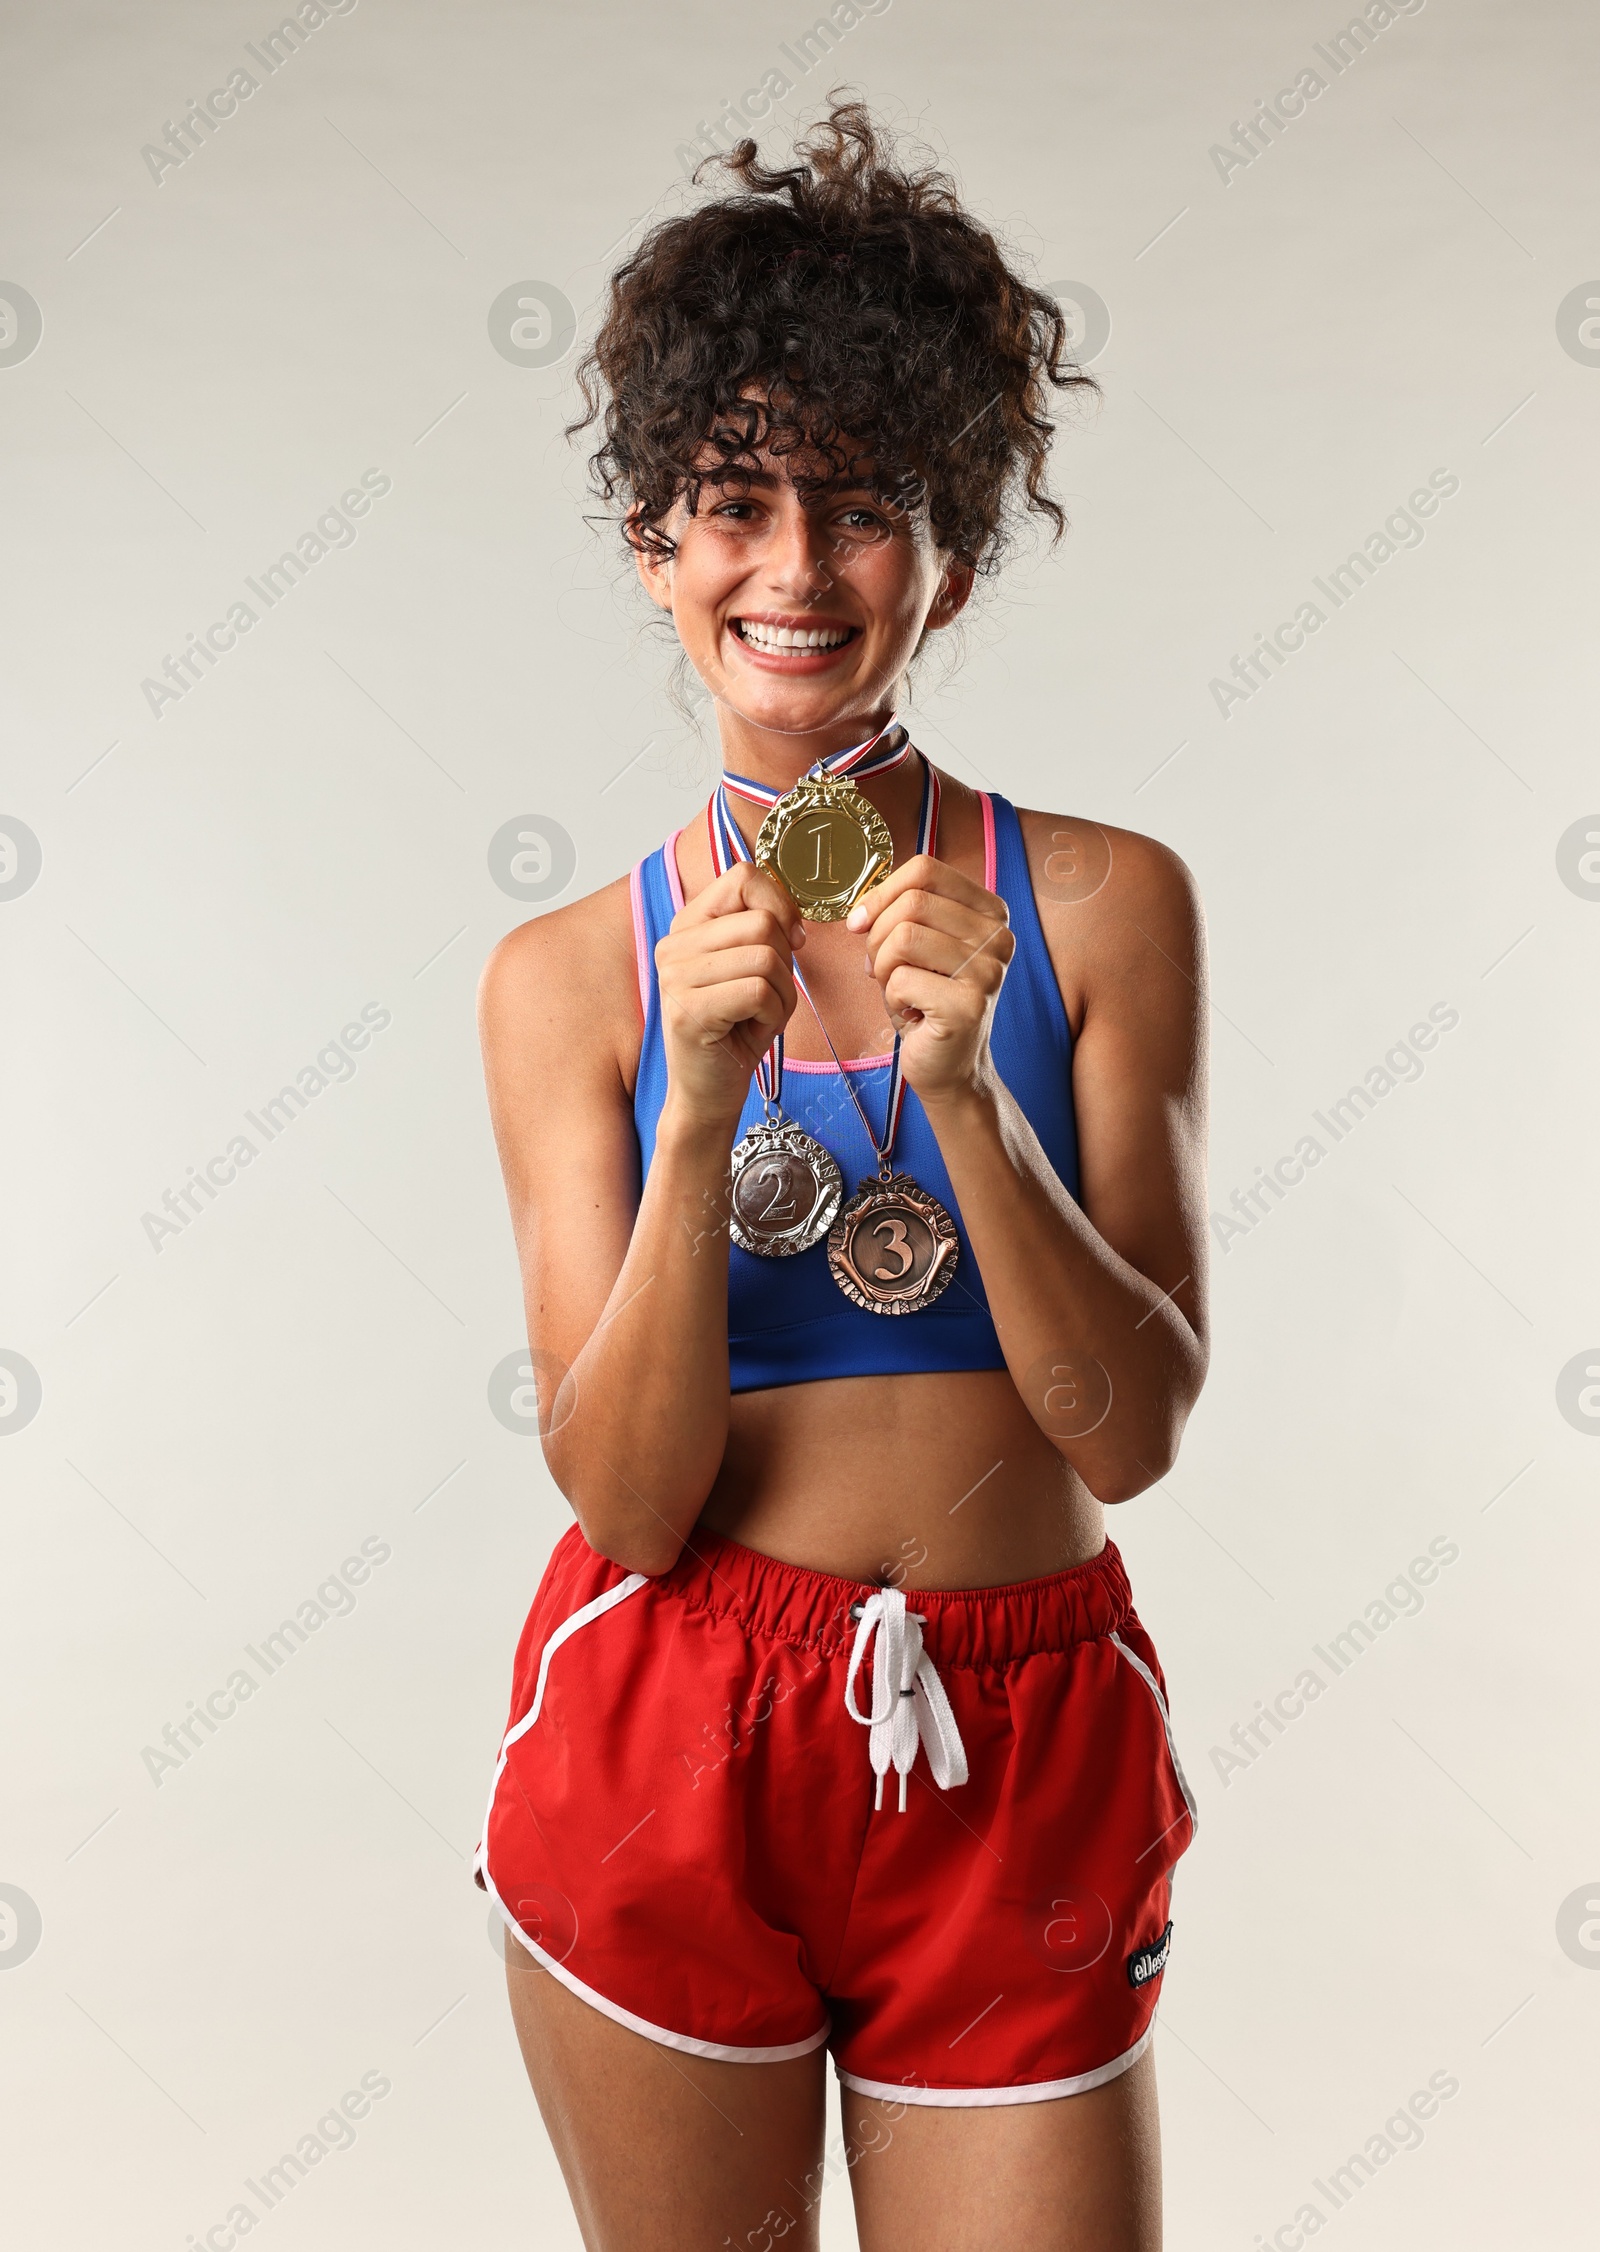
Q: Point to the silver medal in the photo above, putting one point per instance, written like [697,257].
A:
[786,1190]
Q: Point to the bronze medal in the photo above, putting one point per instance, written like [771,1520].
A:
[786,1190]
[827,842]
[893,1248]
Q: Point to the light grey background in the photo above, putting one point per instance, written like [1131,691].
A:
[1294,349]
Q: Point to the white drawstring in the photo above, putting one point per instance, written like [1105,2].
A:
[908,1698]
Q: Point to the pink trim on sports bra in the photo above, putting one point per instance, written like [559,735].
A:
[851,1063]
[988,839]
[640,960]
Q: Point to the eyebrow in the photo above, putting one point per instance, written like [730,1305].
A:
[726,472]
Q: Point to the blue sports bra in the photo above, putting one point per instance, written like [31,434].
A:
[788,1320]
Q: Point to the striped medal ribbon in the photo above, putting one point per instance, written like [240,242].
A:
[786,1187]
[893,1249]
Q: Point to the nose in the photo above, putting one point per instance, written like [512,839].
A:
[795,559]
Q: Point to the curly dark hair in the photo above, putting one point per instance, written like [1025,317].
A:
[844,307]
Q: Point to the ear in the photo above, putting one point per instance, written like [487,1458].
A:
[654,568]
[951,599]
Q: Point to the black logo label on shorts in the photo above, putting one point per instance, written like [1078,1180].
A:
[1150,1962]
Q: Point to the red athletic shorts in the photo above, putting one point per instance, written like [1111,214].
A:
[685,1824]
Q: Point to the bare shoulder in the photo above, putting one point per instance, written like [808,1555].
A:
[1112,903]
[1078,862]
[566,984]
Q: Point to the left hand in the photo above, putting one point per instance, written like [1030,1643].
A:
[938,945]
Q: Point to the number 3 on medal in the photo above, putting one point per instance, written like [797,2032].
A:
[913,1250]
[892,1235]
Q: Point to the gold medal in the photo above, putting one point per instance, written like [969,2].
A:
[893,1249]
[826,842]
[786,1190]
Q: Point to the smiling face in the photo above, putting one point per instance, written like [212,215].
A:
[800,606]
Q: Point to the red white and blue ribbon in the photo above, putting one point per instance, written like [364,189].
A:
[728,847]
[879,754]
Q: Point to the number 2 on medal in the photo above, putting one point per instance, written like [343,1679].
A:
[778,1206]
[892,1235]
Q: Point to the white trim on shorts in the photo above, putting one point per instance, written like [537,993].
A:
[718,2050]
[1031,2091]
[568,1627]
[1149,1679]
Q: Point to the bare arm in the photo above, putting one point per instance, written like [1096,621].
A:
[630,1291]
[1099,1304]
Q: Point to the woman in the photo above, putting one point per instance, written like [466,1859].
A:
[832,1725]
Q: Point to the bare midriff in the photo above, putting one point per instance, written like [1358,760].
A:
[937,1480]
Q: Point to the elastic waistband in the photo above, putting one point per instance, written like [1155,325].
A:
[968,1626]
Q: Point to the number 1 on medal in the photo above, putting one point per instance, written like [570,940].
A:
[821,833]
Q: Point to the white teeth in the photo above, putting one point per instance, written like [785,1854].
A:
[790,637]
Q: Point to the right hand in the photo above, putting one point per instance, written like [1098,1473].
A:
[726,971]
